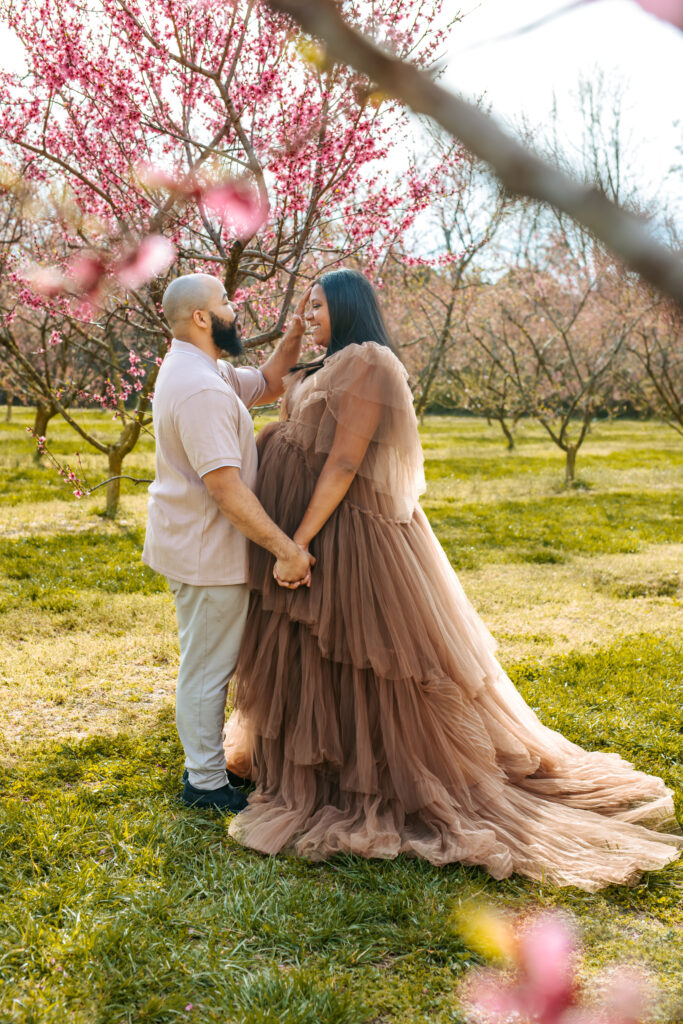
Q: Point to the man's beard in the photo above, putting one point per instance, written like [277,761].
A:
[226,338]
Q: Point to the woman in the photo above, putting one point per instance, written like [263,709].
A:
[379,721]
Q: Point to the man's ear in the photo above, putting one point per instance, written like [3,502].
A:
[201,318]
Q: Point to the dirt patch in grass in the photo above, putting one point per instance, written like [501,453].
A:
[106,665]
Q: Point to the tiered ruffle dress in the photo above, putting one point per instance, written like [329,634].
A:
[377,717]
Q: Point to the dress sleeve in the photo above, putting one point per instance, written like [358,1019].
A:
[363,392]
[369,395]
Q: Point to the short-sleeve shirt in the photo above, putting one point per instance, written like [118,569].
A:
[201,422]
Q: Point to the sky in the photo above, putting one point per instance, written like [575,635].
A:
[518,76]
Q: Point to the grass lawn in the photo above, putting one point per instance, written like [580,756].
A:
[119,905]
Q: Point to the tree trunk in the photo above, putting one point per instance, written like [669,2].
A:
[570,465]
[44,414]
[434,363]
[509,437]
[9,396]
[114,486]
[117,453]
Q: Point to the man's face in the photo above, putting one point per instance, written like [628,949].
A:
[225,332]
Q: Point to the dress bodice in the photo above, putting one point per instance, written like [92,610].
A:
[361,391]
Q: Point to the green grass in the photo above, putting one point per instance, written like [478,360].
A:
[51,571]
[554,528]
[119,905]
[493,467]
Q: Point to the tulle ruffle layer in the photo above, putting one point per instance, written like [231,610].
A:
[381,722]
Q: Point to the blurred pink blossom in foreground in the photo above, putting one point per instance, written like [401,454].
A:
[667,10]
[238,206]
[153,256]
[241,208]
[84,274]
[48,281]
[540,985]
[236,201]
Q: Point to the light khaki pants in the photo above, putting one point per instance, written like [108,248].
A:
[210,626]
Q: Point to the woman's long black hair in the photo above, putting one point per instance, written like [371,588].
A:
[355,315]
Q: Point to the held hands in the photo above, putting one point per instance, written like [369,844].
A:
[294,571]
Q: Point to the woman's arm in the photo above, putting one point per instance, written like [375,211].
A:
[341,465]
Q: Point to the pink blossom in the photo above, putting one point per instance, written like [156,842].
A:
[544,989]
[626,996]
[491,999]
[667,10]
[546,955]
[155,177]
[48,281]
[86,272]
[153,256]
[238,206]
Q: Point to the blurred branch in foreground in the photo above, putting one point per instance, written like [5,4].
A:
[519,169]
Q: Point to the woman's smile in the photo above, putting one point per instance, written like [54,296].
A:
[318,317]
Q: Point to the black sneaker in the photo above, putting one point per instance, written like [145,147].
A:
[239,783]
[226,798]
[235,780]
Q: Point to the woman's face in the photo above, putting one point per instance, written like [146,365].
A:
[318,317]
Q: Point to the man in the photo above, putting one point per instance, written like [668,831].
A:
[203,512]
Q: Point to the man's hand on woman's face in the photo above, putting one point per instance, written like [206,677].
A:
[297,325]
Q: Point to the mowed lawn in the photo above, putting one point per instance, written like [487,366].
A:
[119,905]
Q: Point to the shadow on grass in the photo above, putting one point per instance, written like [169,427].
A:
[126,905]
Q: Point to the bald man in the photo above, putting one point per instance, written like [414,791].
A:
[203,512]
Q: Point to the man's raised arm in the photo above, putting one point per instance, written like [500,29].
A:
[285,355]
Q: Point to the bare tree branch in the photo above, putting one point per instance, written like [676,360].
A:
[518,168]
[120,476]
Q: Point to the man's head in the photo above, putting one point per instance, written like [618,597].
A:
[197,310]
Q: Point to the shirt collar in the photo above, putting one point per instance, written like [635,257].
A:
[188,347]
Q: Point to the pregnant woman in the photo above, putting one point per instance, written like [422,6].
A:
[371,706]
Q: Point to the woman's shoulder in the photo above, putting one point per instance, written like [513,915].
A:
[369,371]
[368,354]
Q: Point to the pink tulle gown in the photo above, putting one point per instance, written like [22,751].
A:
[371,706]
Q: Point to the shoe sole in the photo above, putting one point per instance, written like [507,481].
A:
[207,805]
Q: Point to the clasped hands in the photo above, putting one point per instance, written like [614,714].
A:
[295,571]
